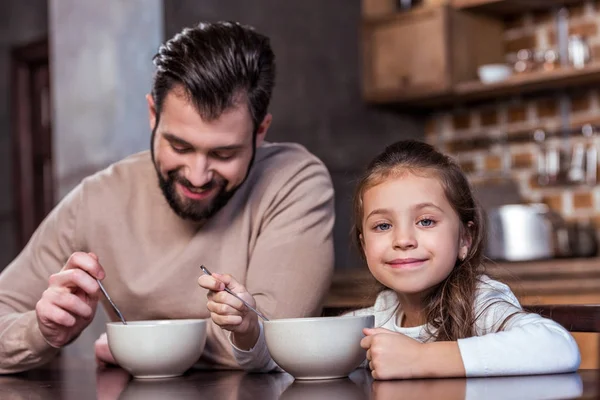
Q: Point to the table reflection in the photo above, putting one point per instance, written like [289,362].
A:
[18,389]
[77,380]
[263,386]
[117,384]
[558,386]
[538,387]
[452,389]
[337,389]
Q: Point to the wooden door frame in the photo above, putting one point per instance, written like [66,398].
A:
[24,60]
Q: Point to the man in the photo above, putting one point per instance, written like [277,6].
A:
[225,198]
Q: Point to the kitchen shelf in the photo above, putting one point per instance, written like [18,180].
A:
[471,91]
[529,82]
[506,7]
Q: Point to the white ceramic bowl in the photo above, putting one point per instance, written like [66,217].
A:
[491,73]
[157,349]
[317,348]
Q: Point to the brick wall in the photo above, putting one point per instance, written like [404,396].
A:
[460,131]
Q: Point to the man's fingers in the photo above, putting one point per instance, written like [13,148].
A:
[75,278]
[226,321]
[229,300]
[231,283]
[217,282]
[88,263]
[52,314]
[210,283]
[223,308]
[69,302]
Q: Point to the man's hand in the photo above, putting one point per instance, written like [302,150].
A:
[68,305]
[230,313]
[103,355]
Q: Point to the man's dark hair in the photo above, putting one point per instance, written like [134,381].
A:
[219,65]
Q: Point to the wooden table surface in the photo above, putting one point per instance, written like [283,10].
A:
[75,378]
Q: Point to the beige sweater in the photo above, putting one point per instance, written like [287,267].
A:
[274,235]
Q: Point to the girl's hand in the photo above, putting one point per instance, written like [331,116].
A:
[391,355]
[230,313]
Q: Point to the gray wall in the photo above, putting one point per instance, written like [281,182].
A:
[21,22]
[101,71]
[317,99]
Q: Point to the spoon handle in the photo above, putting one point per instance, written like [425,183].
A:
[207,272]
[114,306]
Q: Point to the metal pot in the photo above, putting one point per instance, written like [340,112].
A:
[523,232]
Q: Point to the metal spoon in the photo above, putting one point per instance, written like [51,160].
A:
[114,306]
[207,272]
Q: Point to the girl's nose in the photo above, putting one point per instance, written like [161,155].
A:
[404,239]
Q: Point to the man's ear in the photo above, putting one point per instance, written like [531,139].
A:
[261,133]
[151,111]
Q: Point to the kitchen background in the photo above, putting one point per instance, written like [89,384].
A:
[353,76]
[457,130]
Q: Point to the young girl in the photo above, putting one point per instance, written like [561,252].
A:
[422,236]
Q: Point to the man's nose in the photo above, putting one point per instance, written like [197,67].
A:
[200,172]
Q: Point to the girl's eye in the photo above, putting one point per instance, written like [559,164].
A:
[383,226]
[425,222]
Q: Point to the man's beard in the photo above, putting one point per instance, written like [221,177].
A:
[195,210]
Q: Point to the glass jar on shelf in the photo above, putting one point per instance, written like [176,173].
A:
[525,61]
[549,60]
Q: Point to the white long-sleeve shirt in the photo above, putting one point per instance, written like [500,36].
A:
[528,344]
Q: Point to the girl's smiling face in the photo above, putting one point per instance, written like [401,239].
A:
[411,235]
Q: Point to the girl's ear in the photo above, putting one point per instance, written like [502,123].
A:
[462,252]
[465,241]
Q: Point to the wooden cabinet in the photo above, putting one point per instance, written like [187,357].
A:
[497,7]
[425,52]
[428,57]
